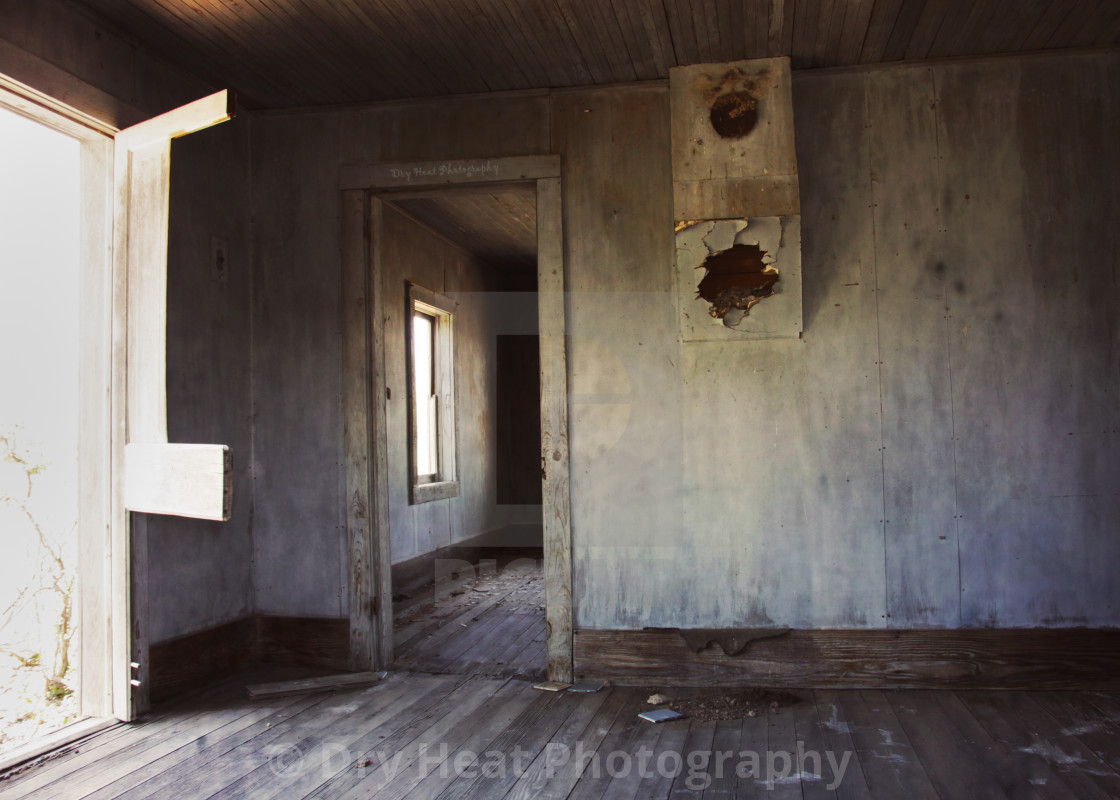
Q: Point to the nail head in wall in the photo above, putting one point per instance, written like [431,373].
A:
[219,260]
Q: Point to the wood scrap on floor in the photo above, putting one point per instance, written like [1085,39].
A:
[551,686]
[326,683]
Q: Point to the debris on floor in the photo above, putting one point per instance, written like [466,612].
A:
[551,686]
[661,715]
[588,686]
[706,705]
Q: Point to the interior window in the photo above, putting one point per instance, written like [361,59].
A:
[431,388]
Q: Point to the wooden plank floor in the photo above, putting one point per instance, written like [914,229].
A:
[423,736]
[487,622]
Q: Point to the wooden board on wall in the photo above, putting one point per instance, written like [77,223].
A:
[733,122]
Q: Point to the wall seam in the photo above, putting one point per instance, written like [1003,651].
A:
[251,250]
[941,230]
[878,354]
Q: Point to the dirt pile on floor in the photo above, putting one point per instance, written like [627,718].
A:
[705,705]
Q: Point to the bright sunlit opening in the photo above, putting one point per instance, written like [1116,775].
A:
[423,366]
[39,256]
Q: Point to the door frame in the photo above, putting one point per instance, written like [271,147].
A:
[364,392]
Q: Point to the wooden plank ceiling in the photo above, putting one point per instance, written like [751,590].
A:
[291,53]
[497,224]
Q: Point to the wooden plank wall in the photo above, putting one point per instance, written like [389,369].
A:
[299,531]
[782,459]
[1032,335]
[920,457]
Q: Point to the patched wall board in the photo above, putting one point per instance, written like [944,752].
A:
[736,200]
[733,144]
[778,241]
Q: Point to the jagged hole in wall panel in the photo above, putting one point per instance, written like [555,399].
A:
[739,278]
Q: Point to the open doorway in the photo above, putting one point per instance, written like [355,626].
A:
[467,549]
[40,177]
[377,302]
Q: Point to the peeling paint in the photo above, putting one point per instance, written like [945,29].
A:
[744,262]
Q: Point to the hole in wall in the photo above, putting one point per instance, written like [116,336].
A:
[735,280]
[734,114]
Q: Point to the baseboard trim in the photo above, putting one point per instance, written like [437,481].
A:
[189,662]
[307,641]
[1066,658]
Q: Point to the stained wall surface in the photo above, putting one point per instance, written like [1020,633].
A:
[937,449]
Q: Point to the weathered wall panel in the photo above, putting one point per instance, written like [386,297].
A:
[1031,255]
[515,124]
[623,356]
[782,460]
[299,535]
[914,370]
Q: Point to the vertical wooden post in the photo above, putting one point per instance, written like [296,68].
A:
[356,409]
[379,432]
[554,430]
[363,400]
[95,473]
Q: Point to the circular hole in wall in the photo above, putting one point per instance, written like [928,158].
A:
[734,114]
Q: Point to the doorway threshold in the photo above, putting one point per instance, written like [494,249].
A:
[55,740]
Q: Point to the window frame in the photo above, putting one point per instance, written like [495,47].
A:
[444,483]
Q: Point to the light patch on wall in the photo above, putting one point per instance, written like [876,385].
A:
[599,394]
[739,278]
